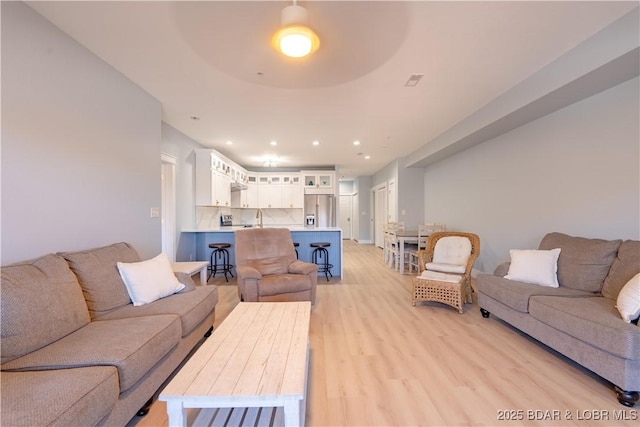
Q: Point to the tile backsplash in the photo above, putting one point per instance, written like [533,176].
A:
[208,217]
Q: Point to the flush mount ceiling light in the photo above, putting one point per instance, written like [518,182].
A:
[295,39]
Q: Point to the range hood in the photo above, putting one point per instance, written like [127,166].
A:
[238,186]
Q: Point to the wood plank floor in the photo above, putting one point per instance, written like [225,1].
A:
[378,361]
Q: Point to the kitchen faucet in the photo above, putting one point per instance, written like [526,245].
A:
[259,216]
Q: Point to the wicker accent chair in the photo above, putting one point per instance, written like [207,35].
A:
[447,260]
[268,269]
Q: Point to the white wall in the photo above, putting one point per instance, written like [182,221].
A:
[575,171]
[80,146]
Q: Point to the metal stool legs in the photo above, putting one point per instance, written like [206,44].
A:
[320,256]
[215,267]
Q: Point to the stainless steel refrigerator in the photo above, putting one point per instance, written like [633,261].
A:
[320,207]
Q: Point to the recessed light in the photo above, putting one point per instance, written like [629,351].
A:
[367,157]
[273,143]
[356,142]
[229,142]
[316,143]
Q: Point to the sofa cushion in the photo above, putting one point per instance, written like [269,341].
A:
[593,320]
[41,303]
[192,307]
[133,346]
[583,263]
[284,283]
[517,294]
[624,267]
[65,397]
[98,275]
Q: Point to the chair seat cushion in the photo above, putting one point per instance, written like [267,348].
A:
[446,268]
[440,277]
[594,320]
[192,307]
[283,283]
[65,397]
[144,343]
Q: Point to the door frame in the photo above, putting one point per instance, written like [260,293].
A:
[168,204]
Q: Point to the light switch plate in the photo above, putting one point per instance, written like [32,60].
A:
[155,212]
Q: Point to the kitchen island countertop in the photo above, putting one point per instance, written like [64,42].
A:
[241,227]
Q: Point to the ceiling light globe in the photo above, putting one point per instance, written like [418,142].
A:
[295,45]
[296,41]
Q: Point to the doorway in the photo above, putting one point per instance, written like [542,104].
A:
[380,214]
[346,213]
[168,204]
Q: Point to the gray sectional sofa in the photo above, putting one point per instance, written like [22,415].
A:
[579,318]
[75,351]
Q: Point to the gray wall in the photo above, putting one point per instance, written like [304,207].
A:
[409,190]
[574,171]
[181,147]
[410,196]
[80,146]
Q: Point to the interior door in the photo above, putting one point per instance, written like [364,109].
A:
[345,216]
[380,214]
[392,202]
[355,217]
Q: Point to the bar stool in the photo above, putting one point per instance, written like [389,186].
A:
[295,245]
[219,253]
[320,252]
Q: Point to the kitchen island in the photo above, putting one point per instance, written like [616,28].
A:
[299,234]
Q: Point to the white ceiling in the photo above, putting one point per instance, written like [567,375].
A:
[213,60]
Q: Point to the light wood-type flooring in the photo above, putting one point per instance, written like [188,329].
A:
[378,361]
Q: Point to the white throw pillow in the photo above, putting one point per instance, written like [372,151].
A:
[149,280]
[628,302]
[537,267]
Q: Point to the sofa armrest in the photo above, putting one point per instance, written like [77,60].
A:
[502,269]
[301,267]
[187,281]
[247,272]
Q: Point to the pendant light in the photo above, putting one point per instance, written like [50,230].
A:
[294,38]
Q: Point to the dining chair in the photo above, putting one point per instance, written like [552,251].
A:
[391,244]
[416,251]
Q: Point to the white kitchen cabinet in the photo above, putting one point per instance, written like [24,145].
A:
[292,193]
[251,195]
[213,184]
[319,182]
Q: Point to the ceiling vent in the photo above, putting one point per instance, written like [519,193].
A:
[414,79]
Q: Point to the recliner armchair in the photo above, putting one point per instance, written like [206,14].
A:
[268,269]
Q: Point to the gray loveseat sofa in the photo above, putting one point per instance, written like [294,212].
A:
[75,351]
[579,318]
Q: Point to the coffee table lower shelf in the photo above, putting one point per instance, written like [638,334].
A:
[239,417]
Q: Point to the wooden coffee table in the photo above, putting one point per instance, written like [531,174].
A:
[257,358]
